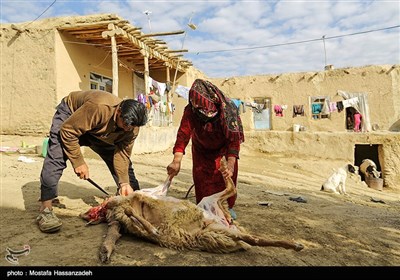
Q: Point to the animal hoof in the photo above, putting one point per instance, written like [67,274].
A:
[104,255]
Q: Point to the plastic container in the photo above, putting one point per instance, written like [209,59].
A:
[374,183]
[45,146]
[296,127]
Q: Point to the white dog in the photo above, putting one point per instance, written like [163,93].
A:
[336,183]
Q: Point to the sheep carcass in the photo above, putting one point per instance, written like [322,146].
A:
[176,223]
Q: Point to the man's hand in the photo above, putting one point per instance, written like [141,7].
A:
[125,189]
[82,171]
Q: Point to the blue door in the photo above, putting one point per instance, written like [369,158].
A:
[261,116]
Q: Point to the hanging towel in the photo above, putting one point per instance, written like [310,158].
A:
[350,102]
[316,108]
[237,102]
[141,98]
[325,108]
[332,107]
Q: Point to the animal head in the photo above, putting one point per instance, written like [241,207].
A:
[351,168]
[373,172]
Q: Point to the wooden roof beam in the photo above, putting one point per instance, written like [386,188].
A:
[162,34]
[176,51]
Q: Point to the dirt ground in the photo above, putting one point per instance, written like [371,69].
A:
[336,230]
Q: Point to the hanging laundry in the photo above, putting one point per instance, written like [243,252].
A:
[325,108]
[332,106]
[340,106]
[243,107]
[278,110]
[255,106]
[149,82]
[237,102]
[298,110]
[141,98]
[159,87]
[182,91]
[316,108]
[350,102]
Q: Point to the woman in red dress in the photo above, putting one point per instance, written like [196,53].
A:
[357,122]
[212,121]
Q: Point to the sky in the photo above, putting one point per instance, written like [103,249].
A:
[247,38]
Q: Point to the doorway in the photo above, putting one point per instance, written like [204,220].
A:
[262,114]
[366,151]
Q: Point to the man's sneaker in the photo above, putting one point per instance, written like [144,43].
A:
[48,221]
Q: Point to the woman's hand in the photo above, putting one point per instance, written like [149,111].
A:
[228,172]
[173,169]
[175,166]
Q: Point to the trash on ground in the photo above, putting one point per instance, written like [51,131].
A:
[26,159]
[264,203]
[298,199]
[377,200]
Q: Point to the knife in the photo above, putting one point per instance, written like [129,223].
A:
[97,186]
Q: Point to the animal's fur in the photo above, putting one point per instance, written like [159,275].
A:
[336,182]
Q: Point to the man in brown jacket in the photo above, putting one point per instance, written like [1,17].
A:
[101,121]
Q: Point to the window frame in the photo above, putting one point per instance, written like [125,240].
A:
[319,100]
[100,82]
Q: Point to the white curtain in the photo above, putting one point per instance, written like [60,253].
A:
[361,107]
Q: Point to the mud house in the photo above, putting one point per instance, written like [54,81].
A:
[44,60]
[290,114]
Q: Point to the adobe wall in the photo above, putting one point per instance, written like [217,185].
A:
[325,146]
[380,82]
[28,80]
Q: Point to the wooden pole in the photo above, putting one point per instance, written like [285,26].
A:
[146,71]
[114,54]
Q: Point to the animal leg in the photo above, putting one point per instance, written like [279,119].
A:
[260,241]
[139,220]
[229,191]
[342,188]
[111,238]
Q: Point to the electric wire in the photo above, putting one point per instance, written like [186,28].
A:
[41,14]
[298,42]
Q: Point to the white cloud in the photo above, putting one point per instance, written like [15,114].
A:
[229,25]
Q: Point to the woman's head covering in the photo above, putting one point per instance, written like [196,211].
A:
[207,100]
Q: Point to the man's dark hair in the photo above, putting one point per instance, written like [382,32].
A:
[133,112]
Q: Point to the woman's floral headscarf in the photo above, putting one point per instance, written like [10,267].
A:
[208,100]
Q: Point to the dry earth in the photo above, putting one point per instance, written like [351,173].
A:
[336,230]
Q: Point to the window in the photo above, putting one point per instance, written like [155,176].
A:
[100,82]
[319,106]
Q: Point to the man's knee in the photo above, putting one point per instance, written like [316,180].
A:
[48,181]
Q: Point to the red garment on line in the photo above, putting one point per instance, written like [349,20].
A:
[209,144]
